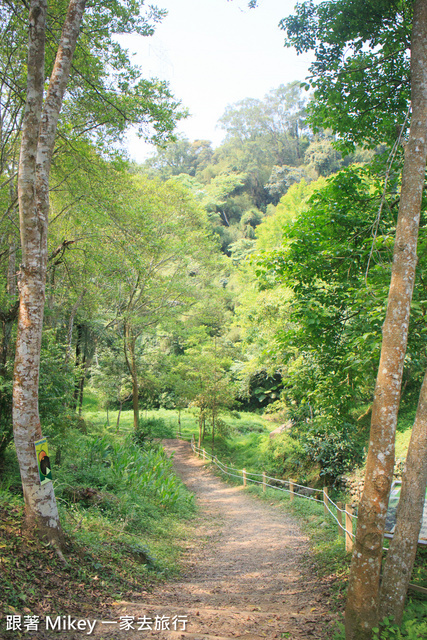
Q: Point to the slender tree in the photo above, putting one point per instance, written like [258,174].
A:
[38,137]
[363,592]
[361,44]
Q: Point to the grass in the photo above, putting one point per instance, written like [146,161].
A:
[126,525]
[402,443]
[248,442]
[126,519]
[249,431]
[331,563]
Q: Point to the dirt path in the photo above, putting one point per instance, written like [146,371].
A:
[245,577]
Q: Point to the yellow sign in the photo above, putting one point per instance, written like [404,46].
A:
[43,462]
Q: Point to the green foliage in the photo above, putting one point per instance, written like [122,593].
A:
[268,148]
[413,627]
[356,44]
[150,428]
[56,381]
[284,458]
[122,466]
[6,432]
[329,347]
[335,450]
[180,158]
[249,427]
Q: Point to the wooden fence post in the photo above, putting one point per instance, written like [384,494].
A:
[325,500]
[339,518]
[349,528]
[204,454]
[264,481]
[291,490]
[244,477]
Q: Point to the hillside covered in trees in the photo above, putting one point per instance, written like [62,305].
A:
[249,277]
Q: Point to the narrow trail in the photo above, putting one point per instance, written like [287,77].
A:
[245,576]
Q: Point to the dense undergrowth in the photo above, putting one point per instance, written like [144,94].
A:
[331,563]
[251,448]
[125,517]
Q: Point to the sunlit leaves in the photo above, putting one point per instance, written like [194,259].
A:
[360,74]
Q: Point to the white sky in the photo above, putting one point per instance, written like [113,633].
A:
[214,53]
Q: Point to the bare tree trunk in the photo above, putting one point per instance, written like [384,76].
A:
[135,397]
[11,268]
[213,431]
[363,591]
[118,417]
[79,344]
[71,324]
[37,142]
[129,350]
[403,547]
[85,367]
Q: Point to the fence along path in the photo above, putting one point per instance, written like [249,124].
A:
[293,489]
[299,490]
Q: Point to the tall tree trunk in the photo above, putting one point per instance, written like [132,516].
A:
[71,324]
[85,367]
[200,430]
[403,547]
[135,401]
[118,416]
[213,431]
[37,143]
[363,591]
[79,344]
[129,351]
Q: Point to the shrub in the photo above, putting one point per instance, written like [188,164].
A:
[150,428]
[284,456]
[105,466]
[249,427]
[335,449]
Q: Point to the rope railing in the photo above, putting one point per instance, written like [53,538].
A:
[293,489]
[345,530]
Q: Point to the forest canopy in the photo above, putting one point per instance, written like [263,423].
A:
[251,276]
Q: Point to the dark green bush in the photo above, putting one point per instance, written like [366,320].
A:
[150,428]
[336,450]
[250,427]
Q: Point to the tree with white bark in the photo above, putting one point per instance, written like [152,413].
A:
[152,106]
[38,138]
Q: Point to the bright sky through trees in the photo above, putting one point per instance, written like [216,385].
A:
[215,53]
